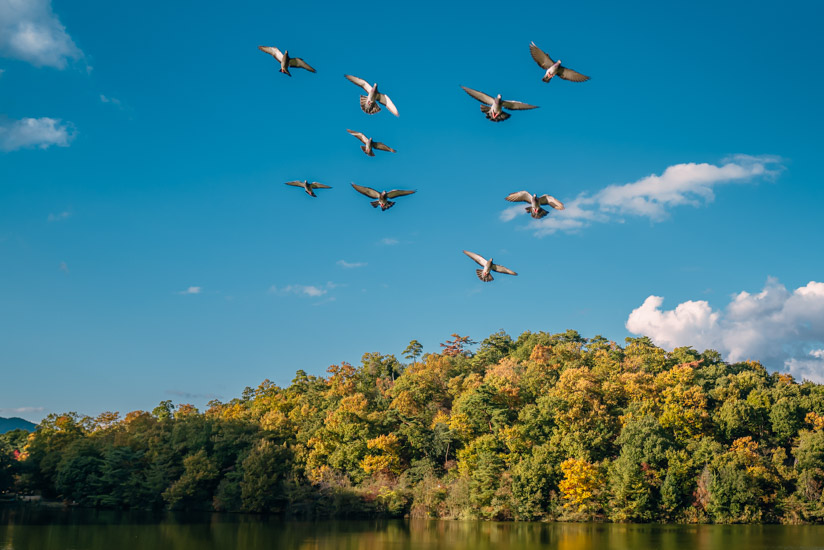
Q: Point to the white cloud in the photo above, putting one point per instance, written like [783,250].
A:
[34,132]
[20,410]
[31,32]
[112,100]
[782,329]
[60,217]
[388,241]
[191,290]
[64,267]
[653,196]
[312,291]
[350,265]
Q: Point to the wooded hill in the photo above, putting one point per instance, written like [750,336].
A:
[548,426]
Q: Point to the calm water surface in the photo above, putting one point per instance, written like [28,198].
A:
[33,529]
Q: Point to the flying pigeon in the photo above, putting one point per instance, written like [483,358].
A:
[369,103]
[554,68]
[383,197]
[535,203]
[483,274]
[369,144]
[493,107]
[286,61]
[308,187]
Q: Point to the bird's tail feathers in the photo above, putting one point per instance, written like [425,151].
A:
[485,108]
[370,153]
[367,108]
[502,116]
[388,205]
[485,278]
[539,213]
[546,78]
[375,204]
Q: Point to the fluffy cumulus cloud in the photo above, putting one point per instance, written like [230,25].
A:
[781,328]
[653,196]
[31,32]
[34,132]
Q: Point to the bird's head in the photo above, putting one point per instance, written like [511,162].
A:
[498,98]
[285,52]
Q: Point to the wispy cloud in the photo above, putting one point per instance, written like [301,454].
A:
[652,196]
[350,265]
[388,241]
[312,291]
[188,395]
[31,32]
[783,329]
[21,410]
[34,132]
[112,100]
[60,217]
[64,267]
[191,290]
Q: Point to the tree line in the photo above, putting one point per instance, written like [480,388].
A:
[542,427]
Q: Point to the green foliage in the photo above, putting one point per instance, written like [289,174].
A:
[543,426]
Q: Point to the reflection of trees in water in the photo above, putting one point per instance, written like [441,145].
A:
[37,529]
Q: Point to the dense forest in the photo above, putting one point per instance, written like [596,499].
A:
[545,427]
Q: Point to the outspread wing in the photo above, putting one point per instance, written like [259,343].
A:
[519,196]
[360,136]
[502,269]
[540,56]
[316,185]
[398,193]
[480,260]
[517,105]
[359,81]
[298,62]
[572,76]
[382,147]
[384,99]
[480,96]
[271,50]
[295,183]
[368,191]
[551,201]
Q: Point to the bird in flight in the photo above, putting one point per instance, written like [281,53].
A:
[382,196]
[369,103]
[286,61]
[493,106]
[554,68]
[535,203]
[483,274]
[369,144]
[307,186]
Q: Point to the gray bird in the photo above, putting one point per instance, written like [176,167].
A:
[554,68]
[483,274]
[286,61]
[308,187]
[383,196]
[535,203]
[493,107]
[369,103]
[369,144]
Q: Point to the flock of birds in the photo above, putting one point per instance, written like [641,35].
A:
[492,107]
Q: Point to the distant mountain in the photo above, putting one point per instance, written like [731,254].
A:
[14,423]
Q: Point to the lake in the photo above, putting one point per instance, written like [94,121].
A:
[33,528]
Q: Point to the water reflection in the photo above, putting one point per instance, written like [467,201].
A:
[46,529]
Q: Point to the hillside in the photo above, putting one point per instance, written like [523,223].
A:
[542,427]
[15,423]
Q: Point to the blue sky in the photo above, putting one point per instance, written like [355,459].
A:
[149,249]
